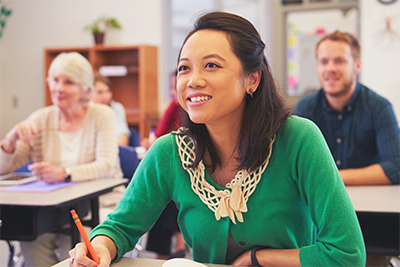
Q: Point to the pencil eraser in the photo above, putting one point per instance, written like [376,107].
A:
[73,212]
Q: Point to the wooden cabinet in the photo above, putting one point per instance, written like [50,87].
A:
[137,91]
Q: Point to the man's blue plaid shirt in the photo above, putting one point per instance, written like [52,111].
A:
[364,133]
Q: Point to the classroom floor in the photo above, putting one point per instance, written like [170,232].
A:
[395,261]
[4,254]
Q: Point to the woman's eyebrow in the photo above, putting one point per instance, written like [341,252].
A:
[214,56]
[205,57]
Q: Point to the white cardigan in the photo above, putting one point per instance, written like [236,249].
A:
[98,151]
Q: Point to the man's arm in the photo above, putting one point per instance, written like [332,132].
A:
[388,141]
[369,175]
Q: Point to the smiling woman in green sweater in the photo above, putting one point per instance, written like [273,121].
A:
[253,186]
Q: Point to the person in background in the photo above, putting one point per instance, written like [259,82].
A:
[102,94]
[359,125]
[159,237]
[253,185]
[171,119]
[71,140]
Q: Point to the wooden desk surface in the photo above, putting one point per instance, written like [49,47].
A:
[142,262]
[60,196]
[375,198]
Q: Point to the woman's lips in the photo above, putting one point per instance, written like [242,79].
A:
[198,100]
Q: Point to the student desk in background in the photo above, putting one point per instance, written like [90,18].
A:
[25,215]
[133,262]
[378,211]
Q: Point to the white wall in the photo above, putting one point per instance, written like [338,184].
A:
[380,50]
[36,25]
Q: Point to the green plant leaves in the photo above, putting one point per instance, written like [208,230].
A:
[102,24]
[114,23]
[4,14]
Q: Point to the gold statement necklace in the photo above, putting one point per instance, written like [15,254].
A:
[222,202]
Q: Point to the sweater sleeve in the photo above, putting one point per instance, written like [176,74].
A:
[10,162]
[146,196]
[339,238]
[387,140]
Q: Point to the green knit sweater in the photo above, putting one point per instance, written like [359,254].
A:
[300,202]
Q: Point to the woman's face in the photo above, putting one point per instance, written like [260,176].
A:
[210,83]
[64,92]
[101,93]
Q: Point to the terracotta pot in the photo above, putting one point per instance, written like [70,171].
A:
[99,38]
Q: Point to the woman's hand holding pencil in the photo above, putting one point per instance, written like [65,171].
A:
[80,256]
[101,252]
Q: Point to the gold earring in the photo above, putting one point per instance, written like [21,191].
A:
[251,92]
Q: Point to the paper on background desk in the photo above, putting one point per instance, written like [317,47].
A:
[37,186]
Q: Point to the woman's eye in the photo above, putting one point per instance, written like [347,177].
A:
[182,68]
[212,65]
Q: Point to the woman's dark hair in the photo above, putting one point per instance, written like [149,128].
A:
[265,112]
[100,78]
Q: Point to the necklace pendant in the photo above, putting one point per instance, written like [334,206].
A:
[237,201]
[232,205]
[225,210]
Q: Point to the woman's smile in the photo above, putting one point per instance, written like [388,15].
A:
[198,99]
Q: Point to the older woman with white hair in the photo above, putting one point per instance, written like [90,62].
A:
[71,140]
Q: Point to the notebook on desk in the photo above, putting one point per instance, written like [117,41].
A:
[17,178]
[38,186]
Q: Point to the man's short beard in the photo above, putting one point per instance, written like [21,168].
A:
[344,91]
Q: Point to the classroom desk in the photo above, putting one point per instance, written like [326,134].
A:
[378,211]
[142,262]
[376,198]
[25,215]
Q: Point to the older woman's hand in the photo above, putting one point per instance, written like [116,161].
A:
[79,256]
[47,172]
[22,131]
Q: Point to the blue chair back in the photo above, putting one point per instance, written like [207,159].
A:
[129,160]
[24,168]
[134,139]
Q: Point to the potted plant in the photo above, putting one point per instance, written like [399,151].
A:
[100,26]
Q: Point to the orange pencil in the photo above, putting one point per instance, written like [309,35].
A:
[84,236]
